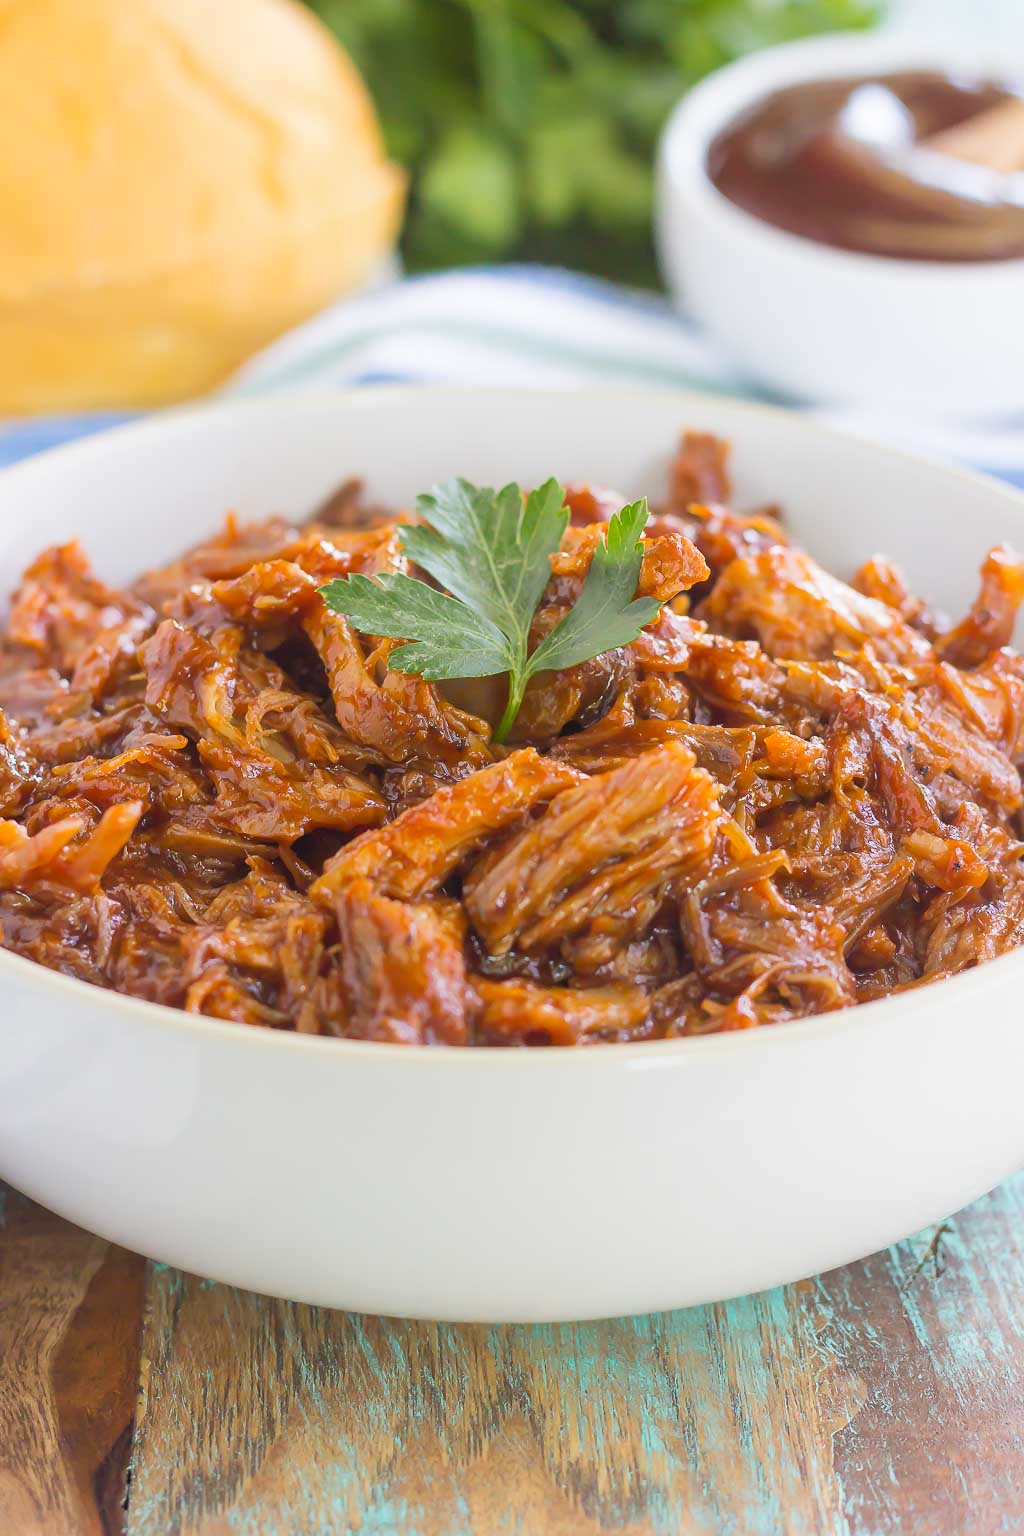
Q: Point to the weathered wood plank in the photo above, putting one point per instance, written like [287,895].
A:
[70,1330]
[885,1397]
[261,1416]
[935,1332]
[877,1399]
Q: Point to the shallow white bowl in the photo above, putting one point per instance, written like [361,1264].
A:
[503,1184]
[942,338]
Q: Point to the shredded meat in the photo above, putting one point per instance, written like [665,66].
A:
[787,796]
[403,969]
[601,858]
[417,852]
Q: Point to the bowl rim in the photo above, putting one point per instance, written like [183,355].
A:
[702,113]
[612,1054]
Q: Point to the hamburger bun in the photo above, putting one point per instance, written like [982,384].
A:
[181,181]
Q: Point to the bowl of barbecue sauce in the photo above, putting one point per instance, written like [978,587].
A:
[847,216]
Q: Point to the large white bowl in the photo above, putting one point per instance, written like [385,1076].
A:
[503,1184]
[939,338]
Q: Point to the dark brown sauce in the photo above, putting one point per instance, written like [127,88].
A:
[841,162]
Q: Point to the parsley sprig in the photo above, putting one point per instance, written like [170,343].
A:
[490,551]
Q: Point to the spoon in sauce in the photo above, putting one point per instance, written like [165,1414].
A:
[994,138]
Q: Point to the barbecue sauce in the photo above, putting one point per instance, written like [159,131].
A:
[848,163]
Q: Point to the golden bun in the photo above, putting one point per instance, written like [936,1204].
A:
[181,181]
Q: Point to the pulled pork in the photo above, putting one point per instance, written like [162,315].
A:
[789,795]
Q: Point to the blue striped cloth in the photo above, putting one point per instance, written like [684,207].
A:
[521,325]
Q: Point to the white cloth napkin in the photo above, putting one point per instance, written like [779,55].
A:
[539,325]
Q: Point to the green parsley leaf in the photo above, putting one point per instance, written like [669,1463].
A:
[450,639]
[491,551]
[603,618]
[490,548]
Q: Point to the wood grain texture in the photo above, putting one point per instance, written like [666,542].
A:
[937,1338]
[377,1425]
[70,1331]
[885,1397]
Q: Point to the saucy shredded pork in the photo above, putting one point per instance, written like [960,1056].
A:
[787,796]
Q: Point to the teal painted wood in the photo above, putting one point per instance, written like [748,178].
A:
[937,1445]
[884,1397]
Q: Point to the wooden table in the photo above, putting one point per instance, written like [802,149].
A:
[884,1397]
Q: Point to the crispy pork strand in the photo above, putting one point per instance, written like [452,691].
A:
[403,969]
[210,687]
[415,854]
[602,856]
[17,770]
[739,759]
[263,798]
[989,625]
[256,952]
[65,855]
[71,620]
[962,928]
[700,471]
[398,717]
[959,724]
[793,952]
[796,609]
[519,1012]
[881,579]
[264,595]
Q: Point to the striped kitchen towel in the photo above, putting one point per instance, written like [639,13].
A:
[523,325]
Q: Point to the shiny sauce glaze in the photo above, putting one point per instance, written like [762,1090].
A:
[852,163]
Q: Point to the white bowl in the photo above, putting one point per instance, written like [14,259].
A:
[938,338]
[503,1184]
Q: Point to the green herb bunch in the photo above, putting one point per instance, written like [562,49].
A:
[530,125]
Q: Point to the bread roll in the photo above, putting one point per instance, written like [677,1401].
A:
[180,181]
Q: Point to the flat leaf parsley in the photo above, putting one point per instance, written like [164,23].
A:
[490,551]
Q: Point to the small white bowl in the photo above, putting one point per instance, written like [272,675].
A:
[942,339]
[505,1184]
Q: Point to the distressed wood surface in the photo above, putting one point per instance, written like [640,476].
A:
[886,1397]
[70,1330]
